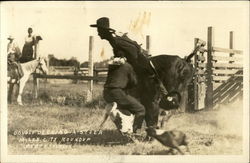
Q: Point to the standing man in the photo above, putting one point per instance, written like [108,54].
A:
[14,53]
[13,50]
[121,77]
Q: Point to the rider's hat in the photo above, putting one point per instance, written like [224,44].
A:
[102,22]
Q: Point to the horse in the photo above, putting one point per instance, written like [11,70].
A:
[28,68]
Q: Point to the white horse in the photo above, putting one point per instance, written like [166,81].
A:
[28,68]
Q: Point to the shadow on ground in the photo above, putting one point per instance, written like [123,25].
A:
[101,137]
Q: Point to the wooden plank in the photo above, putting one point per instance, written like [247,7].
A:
[200,72]
[224,58]
[201,79]
[201,58]
[104,69]
[227,78]
[238,95]
[202,65]
[63,67]
[224,94]
[83,69]
[234,93]
[225,81]
[223,88]
[225,50]
[228,65]
[73,77]
[227,72]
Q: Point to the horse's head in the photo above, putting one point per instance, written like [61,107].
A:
[42,66]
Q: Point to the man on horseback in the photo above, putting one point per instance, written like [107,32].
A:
[14,54]
[136,56]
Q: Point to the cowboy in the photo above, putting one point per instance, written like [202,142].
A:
[121,77]
[14,54]
[124,47]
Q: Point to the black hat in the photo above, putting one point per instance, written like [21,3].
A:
[102,23]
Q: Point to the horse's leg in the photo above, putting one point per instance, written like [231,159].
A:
[11,85]
[150,99]
[152,113]
[16,91]
[23,80]
[152,108]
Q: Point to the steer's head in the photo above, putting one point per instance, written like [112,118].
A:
[171,101]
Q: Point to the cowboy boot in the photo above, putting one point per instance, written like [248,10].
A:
[137,123]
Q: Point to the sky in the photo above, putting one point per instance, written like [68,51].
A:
[172,26]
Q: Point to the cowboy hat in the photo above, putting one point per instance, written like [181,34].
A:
[10,38]
[102,23]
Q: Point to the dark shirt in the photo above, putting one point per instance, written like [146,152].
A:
[139,62]
[121,76]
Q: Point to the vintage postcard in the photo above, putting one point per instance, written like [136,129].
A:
[124,81]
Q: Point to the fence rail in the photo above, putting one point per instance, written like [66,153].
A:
[73,77]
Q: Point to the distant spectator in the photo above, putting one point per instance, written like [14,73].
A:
[27,52]
[13,51]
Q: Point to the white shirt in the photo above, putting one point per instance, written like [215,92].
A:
[12,47]
[29,40]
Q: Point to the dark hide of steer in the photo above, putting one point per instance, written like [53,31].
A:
[174,72]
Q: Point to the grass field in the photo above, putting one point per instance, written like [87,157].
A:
[63,108]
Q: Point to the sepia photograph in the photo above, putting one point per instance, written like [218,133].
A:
[124,81]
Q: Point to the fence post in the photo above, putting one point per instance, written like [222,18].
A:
[36,80]
[231,45]
[90,70]
[148,44]
[49,62]
[196,77]
[209,81]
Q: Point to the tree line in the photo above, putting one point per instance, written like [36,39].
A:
[74,62]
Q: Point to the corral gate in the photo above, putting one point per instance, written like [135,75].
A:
[218,76]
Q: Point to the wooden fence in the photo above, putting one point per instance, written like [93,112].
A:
[218,75]
[89,74]
[218,78]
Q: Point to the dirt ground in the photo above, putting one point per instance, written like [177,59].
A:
[216,132]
